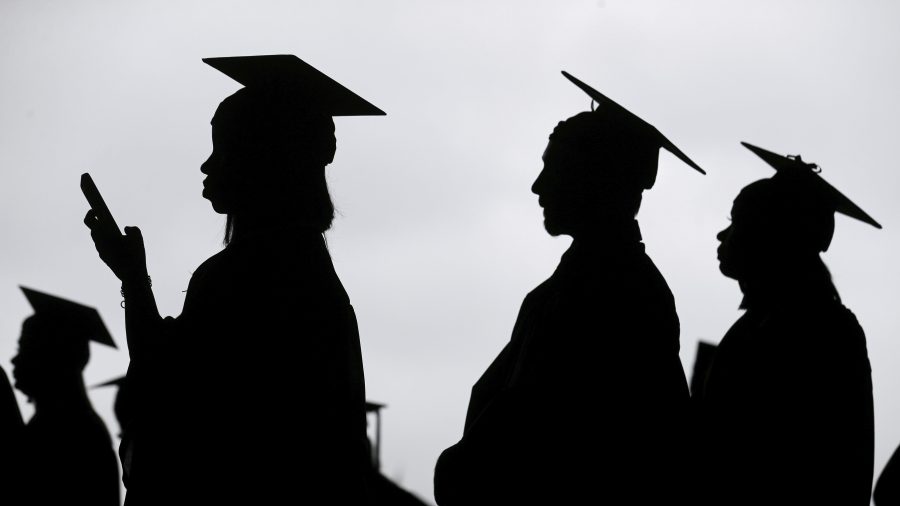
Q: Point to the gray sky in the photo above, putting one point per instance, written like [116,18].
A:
[439,237]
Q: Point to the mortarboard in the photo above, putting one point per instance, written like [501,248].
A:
[82,322]
[291,75]
[115,382]
[375,407]
[645,129]
[825,193]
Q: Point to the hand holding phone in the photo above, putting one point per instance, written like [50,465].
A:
[123,253]
[105,221]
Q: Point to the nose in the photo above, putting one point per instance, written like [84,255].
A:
[538,185]
[209,165]
[723,234]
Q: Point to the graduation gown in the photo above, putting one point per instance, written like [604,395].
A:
[255,393]
[12,430]
[787,413]
[67,457]
[587,401]
[887,489]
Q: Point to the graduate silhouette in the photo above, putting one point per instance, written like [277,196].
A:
[255,393]
[786,409]
[64,454]
[123,409]
[588,399]
[383,491]
[11,436]
[887,488]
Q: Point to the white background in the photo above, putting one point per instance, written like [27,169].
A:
[439,238]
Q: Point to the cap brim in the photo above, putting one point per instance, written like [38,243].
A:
[653,132]
[842,204]
[374,406]
[116,382]
[287,71]
[84,321]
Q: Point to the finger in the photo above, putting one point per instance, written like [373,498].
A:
[98,240]
[134,234]
[90,219]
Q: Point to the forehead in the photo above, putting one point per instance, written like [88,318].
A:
[557,150]
[33,336]
[546,153]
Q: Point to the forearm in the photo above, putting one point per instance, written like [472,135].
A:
[143,324]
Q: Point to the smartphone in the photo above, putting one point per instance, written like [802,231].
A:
[104,217]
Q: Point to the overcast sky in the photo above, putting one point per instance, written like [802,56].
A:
[439,238]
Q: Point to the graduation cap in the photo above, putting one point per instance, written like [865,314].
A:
[374,407]
[78,321]
[115,382]
[633,122]
[824,193]
[292,76]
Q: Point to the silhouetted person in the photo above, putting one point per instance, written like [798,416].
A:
[887,488]
[588,399]
[255,393]
[11,435]
[65,455]
[383,491]
[123,409]
[702,362]
[10,416]
[787,404]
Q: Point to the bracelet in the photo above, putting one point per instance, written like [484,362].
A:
[122,291]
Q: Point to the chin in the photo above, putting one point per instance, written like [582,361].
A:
[727,271]
[24,388]
[554,229]
[217,204]
[219,209]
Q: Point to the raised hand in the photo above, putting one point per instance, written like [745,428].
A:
[124,254]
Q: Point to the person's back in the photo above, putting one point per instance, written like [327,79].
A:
[887,488]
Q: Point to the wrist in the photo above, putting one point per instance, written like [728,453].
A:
[134,284]
[134,276]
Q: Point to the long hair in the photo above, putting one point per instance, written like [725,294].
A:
[782,216]
[290,146]
[304,198]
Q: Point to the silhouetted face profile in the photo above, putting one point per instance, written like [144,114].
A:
[269,155]
[47,355]
[596,167]
[775,223]
[594,173]
[781,224]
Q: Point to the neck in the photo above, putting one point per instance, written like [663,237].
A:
[789,285]
[248,225]
[621,230]
[67,395]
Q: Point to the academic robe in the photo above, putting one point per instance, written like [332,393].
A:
[887,488]
[587,402]
[66,457]
[786,411]
[255,393]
